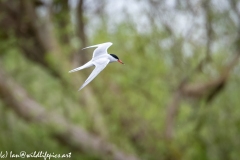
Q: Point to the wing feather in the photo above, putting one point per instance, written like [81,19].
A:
[101,48]
[95,72]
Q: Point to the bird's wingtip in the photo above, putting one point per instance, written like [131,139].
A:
[80,88]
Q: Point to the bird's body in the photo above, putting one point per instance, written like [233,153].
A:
[100,60]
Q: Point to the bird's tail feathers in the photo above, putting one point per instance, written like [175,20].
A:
[88,64]
[76,69]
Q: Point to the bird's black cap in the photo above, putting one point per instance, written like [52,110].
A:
[114,56]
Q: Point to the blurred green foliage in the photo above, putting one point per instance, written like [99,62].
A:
[132,97]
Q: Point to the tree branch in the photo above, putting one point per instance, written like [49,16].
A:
[72,135]
[39,44]
[198,90]
[80,30]
[209,29]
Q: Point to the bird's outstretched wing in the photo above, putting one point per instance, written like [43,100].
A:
[99,67]
[101,48]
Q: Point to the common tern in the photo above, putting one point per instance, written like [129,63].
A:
[100,60]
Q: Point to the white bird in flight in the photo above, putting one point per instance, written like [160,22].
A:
[100,60]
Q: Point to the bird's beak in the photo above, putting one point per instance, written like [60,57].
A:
[120,61]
